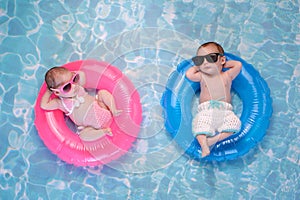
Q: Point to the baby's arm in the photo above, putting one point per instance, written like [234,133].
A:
[234,68]
[48,104]
[194,74]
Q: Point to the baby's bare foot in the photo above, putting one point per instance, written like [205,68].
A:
[204,146]
[205,151]
[108,131]
[116,112]
[91,134]
[211,141]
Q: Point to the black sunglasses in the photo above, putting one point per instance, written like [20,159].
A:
[211,58]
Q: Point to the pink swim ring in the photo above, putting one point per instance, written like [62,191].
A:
[62,141]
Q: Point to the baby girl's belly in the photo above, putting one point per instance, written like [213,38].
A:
[79,112]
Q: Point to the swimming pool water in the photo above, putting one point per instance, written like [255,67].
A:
[146,40]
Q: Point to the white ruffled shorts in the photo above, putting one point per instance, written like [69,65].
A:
[215,116]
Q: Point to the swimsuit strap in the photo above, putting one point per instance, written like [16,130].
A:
[68,105]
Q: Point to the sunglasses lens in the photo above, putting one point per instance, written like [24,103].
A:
[198,60]
[76,78]
[212,58]
[67,87]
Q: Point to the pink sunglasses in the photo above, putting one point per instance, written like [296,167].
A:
[65,88]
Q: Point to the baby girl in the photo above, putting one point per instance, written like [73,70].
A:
[92,115]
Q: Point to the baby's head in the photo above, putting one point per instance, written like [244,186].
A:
[210,47]
[53,77]
[209,56]
[56,77]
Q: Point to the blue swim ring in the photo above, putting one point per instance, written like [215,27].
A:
[257,110]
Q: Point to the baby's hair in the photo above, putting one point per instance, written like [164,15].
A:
[51,76]
[219,47]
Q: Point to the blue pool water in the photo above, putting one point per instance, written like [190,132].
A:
[146,40]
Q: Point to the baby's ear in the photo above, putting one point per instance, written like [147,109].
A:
[223,60]
[55,92]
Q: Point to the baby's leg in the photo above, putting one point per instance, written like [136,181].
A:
[105,99]
[204,146]
[91,134]
[213,140]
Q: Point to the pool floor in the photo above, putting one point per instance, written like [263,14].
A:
[146,40]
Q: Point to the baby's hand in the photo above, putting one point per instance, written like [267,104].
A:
[116,112]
